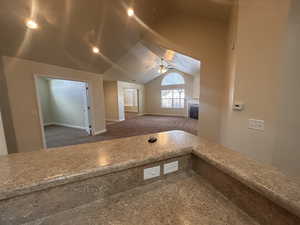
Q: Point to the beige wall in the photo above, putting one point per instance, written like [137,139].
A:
[253,77]
[43,88]
[63,102]
[69,103]
[153,96]
[287,153]
[6,112]
[228,97]
[23,100]
[114,99]
[3,147]
[111,100]
[204,40]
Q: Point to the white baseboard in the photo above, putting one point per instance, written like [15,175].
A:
[100,132]
[133,111]
[163,114]
[113,120]
[48,124]
[65,125]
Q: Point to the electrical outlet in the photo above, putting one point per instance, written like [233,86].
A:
[170,167]
[151,172]
[256,124]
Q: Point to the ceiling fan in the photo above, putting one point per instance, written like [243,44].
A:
[164,66]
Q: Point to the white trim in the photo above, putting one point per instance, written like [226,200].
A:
[113,120]
[49,124]
[133,111]
[100,132]
[163,114]
[38,101]
[65,125]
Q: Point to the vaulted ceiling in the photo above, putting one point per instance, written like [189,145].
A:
[141,63]
[69,28]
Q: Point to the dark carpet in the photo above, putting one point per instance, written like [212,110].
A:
[62,136]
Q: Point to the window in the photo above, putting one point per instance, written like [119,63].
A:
[172,79]
[130,97]
[173,98]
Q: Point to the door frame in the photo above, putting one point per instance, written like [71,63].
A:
[89,115]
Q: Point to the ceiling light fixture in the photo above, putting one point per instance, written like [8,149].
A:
[162,67]
[95,50]
[31,24]
[130,12]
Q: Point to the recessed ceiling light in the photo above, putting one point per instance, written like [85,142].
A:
[31,24]
[130,12]
[95,50]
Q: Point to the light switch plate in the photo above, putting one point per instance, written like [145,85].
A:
[256,124]
[170,167]
[151,172]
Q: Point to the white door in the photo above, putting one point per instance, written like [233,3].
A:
[3,148]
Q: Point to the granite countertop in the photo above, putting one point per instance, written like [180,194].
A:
[265,179]
[185,198]
[26,172]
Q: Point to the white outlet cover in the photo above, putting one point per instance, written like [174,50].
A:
[256,124]
[151,172]
[170,167]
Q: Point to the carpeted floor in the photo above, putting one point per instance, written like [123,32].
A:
[61,136]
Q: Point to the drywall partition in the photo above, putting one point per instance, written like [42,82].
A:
[287,154]
[43,88]
[121,105]
[204,40]
[6,112]
[111,100]
[69,103]
[23,99]
[256,67]
[228,98]
[3,147]
[153,95]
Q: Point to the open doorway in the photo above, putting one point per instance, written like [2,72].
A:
[63,109]
[131,102]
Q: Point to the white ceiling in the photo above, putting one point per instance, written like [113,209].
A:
[68,30]
[210,9]
[141,63]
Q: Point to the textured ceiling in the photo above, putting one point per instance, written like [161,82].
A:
[69,28]
[210,9]
[141,63]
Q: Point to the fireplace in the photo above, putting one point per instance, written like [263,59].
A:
[194,111]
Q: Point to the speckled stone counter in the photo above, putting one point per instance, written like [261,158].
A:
[115,166]
[27,172]
[266,180]
[178,200]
